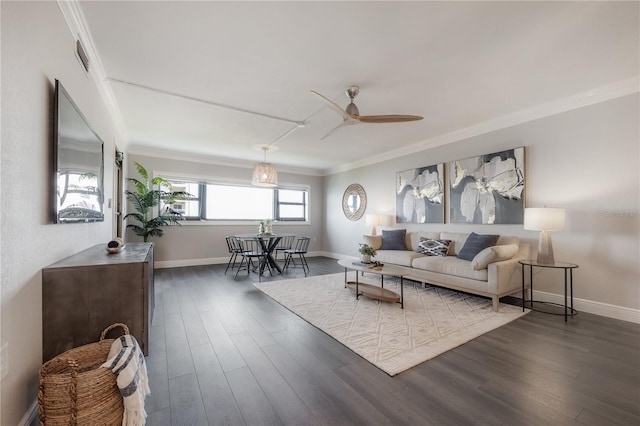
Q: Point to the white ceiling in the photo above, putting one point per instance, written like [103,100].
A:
[458,64]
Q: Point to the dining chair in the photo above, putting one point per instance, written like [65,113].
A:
[235,249]
[252,249]
[285,243]
[300,249]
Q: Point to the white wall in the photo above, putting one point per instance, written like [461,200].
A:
[31,61]
[204,243]
[585,160]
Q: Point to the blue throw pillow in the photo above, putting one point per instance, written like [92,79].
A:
[394,239]
[475,244]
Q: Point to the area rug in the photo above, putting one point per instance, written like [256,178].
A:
[433,321]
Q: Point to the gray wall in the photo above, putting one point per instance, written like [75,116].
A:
[585,160]
[31,61]
[203,242]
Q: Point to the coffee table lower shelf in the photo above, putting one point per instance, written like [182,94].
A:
[374,292]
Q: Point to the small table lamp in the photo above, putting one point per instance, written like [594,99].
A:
[373,220]
[544,220]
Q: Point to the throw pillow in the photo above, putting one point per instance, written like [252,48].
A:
[373,241]
[433,247]
[475,244]
[394,239]
[494,254]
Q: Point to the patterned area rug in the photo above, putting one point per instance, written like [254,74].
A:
[434,320]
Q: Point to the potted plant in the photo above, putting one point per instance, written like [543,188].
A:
[147,196]
[366,251]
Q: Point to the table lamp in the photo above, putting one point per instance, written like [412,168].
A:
[373,220]
[544,220]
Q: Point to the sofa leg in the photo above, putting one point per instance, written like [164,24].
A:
[496,303]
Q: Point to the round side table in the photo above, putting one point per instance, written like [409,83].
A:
[568,280]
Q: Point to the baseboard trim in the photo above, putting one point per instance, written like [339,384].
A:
[31,414]
[592,307]
[162,264]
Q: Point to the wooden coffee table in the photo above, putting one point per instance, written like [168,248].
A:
[373,291]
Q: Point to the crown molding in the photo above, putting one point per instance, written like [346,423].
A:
[79,30]
[219,161]
[578,100]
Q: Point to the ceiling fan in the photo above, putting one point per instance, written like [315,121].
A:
[351,115]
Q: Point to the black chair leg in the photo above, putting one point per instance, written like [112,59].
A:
[232,258]
[239,267]
[305,265]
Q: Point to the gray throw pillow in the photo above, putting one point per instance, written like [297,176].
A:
[432,247]
[394,239]
[475,244]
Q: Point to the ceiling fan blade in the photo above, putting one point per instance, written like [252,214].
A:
[340,126]
[333,105]
[386,118]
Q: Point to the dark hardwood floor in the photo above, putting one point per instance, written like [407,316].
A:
[222,352]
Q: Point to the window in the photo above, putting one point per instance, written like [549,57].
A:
[190,209]
[226,202]
[236,202]
[290,205]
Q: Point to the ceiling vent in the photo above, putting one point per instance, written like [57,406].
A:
[82,55]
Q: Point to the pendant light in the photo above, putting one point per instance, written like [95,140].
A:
[265,174]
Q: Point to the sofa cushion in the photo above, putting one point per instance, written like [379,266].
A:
[475,244]
[450,265]
[506,239]
[432,247]
[494,254]
[397,257]
[457,241]
[394,239]
[413,238]
[374,241]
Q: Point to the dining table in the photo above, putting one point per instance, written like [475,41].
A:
[268,243]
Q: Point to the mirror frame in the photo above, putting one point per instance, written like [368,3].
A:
[354,189]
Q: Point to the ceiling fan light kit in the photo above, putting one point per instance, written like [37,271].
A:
[351,115]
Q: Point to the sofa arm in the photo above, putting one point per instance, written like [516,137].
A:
[505,276]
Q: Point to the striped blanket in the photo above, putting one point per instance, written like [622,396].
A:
[126,360]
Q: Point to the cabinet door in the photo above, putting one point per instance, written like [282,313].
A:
[117,296]
[79,303]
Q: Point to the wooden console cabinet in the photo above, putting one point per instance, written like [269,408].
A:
[85,293]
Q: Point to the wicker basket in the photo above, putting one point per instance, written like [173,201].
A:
[75,390]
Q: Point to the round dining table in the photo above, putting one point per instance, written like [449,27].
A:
[268,242]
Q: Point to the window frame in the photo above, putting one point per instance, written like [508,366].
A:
[277,203]
[203,181]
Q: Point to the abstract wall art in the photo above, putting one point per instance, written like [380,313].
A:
[420,195]
[488,189]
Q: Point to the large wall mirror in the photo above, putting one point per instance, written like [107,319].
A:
[354,202]
[78,164]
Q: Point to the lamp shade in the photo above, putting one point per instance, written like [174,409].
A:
[372,220]
[544,219]
[265,174]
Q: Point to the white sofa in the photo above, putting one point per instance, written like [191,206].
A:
[492,273]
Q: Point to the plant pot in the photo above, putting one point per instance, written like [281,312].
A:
[365,258]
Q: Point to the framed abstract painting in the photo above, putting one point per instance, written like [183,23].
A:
[488,189]
[420,195]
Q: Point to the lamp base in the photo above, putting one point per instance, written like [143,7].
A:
[545,249]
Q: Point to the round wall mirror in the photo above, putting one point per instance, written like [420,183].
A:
[354,202]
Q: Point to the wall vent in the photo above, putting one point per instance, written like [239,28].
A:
[82,55]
